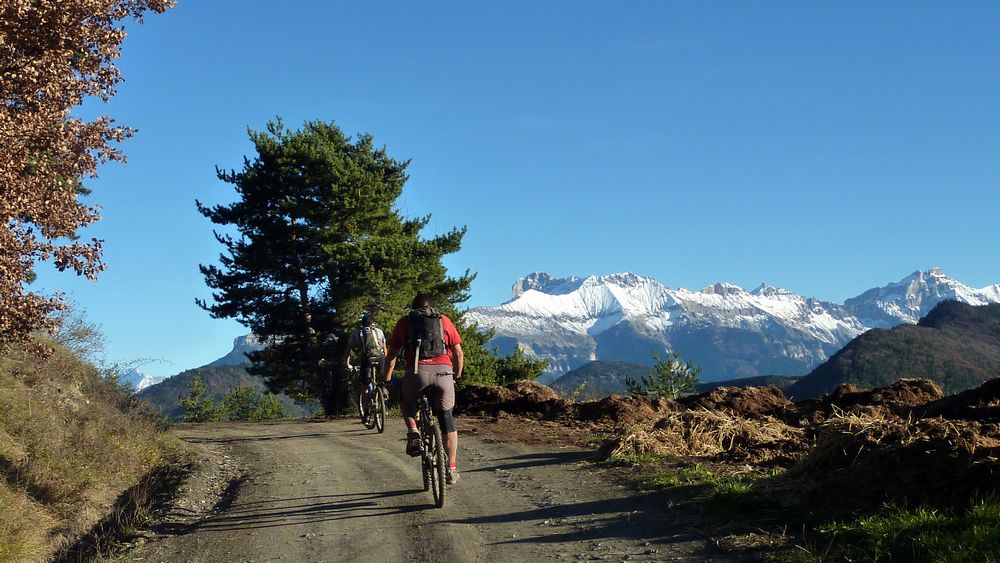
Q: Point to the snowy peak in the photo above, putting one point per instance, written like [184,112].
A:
[138,380]
[729,331]
[544,283]
[912,297]
[766,290]
[723,289]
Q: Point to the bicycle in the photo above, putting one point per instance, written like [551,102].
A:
[371,405]
[433,460]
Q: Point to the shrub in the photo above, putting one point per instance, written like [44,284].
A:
[243,403]
[670,378]
[197,407]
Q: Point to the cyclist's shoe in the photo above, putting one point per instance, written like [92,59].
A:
[413,442]
[385,393]
[453,476]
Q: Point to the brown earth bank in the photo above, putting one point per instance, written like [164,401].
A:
[904,443]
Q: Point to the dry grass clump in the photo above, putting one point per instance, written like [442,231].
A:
[70,442]
[702,433]
[23,526]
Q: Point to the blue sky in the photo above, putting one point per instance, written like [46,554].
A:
[825,149]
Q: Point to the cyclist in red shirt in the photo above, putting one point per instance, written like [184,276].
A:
[435,373]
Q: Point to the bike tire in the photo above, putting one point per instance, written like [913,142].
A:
[354,400]
[379,411]
[425,459]
[369,417]
[440,467]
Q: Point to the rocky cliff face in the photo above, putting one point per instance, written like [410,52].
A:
[242,345]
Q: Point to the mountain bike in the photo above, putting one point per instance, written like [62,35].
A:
[371,405]
[433,460]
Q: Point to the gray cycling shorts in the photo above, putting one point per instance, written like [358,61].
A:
[439,380]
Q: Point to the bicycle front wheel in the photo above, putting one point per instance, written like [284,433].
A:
[378,410]
[439,466]
[426,457]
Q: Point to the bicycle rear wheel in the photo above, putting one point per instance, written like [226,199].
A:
[368,418]
[439,466]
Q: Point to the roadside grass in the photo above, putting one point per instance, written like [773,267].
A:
[71,441]
[753,513]
[23,525]
[919,534]
[631,460]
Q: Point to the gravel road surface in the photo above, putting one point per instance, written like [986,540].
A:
[334,491]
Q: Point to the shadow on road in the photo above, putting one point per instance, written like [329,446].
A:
[642,518]
[238,439]
[306,510]
[537,460]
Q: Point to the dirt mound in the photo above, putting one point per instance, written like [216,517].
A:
[864,460]
[981,403]
[746,401]
[711,433]
[527,398]
[625,410]
[898,398]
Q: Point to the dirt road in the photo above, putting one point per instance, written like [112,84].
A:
[333,491]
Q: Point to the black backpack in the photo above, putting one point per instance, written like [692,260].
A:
[425,326]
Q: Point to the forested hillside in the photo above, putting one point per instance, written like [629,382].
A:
[955,345]
[218,381]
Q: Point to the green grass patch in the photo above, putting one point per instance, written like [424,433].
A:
[631,460]
[692,475]
[919,534]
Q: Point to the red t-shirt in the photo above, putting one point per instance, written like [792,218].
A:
[451,338]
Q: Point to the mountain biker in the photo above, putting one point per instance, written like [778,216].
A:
[436,373]
[368,342]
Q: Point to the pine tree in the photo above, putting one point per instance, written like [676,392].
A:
[320,240]
[670,378]
[197,407]
[239,403]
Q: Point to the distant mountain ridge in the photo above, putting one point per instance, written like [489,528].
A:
[729,331]
[956,345]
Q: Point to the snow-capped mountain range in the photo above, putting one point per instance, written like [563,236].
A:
[729,331]
[138,380]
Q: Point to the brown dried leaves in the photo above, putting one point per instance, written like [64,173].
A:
[53,55]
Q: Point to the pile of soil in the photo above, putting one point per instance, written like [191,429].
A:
[868,459]
[904,443]
[521,398]
[627,411]
[981,403]
[898,398]
[752,402]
